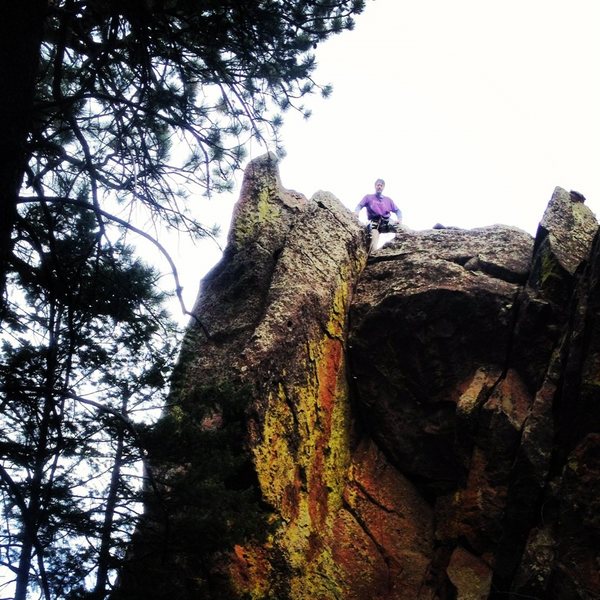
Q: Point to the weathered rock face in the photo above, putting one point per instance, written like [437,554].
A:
[424,425]
[460,346]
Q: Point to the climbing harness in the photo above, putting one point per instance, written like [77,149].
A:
[383,225]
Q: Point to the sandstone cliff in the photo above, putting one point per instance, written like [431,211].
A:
[419,425]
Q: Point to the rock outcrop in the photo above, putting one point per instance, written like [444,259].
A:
[423,424]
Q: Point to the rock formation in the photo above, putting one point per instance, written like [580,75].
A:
[423,424]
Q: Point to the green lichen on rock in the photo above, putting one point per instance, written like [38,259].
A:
[301,464]
[251,224]
[550,270]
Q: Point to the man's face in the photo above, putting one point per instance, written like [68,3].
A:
[379,185]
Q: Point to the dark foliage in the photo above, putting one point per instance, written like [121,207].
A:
[89,347]
[204,499]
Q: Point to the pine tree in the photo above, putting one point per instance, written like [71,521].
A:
[89,349]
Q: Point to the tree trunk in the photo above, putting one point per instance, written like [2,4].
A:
[38,469]
[109,516]
[21,28]
[30,531]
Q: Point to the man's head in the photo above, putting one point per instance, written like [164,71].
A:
[379,185]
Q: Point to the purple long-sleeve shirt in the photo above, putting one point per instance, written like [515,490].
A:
[379,207]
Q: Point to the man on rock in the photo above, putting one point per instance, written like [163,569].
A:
[379,208]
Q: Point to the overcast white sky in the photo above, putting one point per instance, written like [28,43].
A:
[471,110]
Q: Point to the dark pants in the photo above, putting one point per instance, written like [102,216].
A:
[377,226]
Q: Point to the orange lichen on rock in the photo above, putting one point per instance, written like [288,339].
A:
[250,571]
[393,516]
[302,460]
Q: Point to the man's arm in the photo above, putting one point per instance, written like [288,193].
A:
[393,208]
[360,205]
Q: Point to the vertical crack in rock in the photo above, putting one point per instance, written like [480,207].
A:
[379,548]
